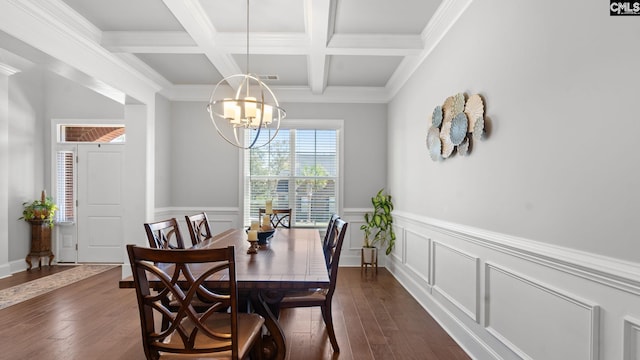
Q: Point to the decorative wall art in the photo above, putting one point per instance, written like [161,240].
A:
[455,125]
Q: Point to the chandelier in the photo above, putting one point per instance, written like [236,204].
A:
[254,108]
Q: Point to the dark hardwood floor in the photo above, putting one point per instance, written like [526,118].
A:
[375,318]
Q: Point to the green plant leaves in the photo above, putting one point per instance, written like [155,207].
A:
[380,222]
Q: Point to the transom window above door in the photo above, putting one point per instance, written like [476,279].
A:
[91,133]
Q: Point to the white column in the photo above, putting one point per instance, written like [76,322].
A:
[139,175]
[5,71]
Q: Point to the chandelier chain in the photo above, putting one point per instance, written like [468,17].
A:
[247,37]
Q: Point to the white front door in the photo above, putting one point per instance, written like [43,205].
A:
[100,197]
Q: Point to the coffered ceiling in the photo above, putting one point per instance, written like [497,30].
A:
[306,50]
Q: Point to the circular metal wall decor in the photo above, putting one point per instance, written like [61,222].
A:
[478,128]
[436,119]
[463,148]
[433,143]
[459,126]
[458,103]
[445,137]
[474,109]
[455,124]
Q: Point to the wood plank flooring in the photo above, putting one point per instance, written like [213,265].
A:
[375,318]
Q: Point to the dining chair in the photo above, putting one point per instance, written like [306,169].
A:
[199,228]
[329,235]
[323,297]
[220,332]
[279,217]
[164,234]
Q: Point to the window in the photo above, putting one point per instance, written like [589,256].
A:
[92,133]
[299,169]
[65,186]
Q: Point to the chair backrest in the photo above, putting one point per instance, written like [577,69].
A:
[199,228]
[279,217]
[186,330]
[164,234]
[329,237]
[334,254]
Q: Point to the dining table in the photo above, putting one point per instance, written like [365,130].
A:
[291,261]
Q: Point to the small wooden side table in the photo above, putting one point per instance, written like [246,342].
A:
[40,242]
[370,259]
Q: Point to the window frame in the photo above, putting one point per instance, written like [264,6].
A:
[311,124]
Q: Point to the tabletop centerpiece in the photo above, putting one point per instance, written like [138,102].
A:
[261,231]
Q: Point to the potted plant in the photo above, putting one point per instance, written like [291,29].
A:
[40,215]
[378,227]
[43,210]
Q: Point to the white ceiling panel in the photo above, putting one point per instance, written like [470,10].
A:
[182,69]
[265,15]
[362,70]
[291,70]
[383,16]
[316,48]
[126,15]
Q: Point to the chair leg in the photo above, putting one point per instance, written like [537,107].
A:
[328,323]
[256,351]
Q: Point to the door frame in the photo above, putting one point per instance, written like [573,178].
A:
[57,145]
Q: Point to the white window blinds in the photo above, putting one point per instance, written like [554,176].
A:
[64,186]
[297,170]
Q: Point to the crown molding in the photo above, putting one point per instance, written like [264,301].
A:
[447,14]
[8,70]
[291,94]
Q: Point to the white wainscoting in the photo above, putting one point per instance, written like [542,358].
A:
[417,255]
[455,277]
[631,339]
[503,297]
[556,325]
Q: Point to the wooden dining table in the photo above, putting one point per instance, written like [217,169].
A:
[293,260]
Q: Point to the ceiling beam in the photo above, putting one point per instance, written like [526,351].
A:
[317,20]
[374,45]
[150,42]
[70,49]
[192,17]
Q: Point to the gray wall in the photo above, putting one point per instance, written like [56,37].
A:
[27,154]
[36,97]
[527,248]
[560,83]
[205,169]
[163,153]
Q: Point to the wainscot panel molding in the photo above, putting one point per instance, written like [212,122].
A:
[504,297]
[417,254]
[631,339]
[220,218]
[558,325]
[354,238]
[455,277]
[622,275]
